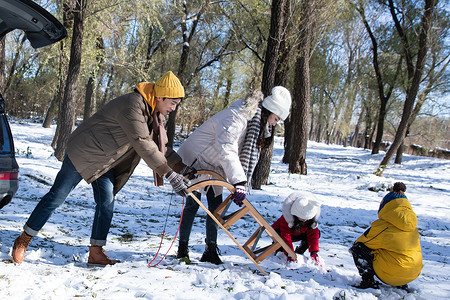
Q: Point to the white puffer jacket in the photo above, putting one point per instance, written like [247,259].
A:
[216,144]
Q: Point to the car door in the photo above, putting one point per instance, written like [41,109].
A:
[41,29]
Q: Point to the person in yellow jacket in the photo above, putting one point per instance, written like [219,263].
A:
[390,248]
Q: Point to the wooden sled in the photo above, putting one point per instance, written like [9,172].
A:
[225,221]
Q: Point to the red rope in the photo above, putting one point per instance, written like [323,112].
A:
[162,236]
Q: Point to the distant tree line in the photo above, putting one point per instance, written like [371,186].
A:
[359,71]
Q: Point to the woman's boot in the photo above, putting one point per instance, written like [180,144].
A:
[183,250]
[211,255]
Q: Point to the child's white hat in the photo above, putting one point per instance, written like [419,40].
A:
[305,207]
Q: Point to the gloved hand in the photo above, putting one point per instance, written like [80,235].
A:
[178,183]
[315,258]
[290,259]
[189,172]
[239,194]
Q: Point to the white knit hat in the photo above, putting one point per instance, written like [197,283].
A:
[279,102]
[305,208]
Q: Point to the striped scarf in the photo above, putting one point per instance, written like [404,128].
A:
[250,152]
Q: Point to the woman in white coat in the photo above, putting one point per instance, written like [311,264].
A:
[229,143]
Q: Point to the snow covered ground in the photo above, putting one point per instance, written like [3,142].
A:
[55,263]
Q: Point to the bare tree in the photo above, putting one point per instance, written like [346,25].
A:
[14,65]
[199,58]
[414,73]
[54,103]
[88,99]
[277,26]
[382,94]
[301,116]
[187,37]
[66,113]
[433,77]
[62,66]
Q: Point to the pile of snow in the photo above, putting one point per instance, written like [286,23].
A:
[341,178]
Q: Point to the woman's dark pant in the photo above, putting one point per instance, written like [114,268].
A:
[363,258]
[189,212]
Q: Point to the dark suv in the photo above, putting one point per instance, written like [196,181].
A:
[9,169]
[41,29]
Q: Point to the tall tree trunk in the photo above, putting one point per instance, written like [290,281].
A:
[399,155]
[319,133]
[414,74]
[301,105]
[62,64]
[261,174]
[281,77]
[152,47]
[50,111]
[66,114]
[367,141]
[56,100]
[300,117]
[354,138]
[372,132]
[380,126]
[108,87]
[384,97]
[277,24]
[273,45]
[401,148]
[12,70]
[320,119]
[187,37]
[287,141]
[420,101]
[88,99]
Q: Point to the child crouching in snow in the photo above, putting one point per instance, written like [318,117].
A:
[299,223]
[390,247]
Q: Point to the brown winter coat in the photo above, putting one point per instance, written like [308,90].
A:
[118,136]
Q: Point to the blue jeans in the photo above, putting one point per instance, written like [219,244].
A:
[191,209]
[66,180]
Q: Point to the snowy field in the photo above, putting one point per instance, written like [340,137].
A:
[55,263]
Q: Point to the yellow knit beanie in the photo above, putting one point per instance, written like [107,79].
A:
[169,86]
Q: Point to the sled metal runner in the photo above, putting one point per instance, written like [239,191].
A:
[225,220]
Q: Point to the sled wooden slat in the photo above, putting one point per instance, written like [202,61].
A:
[225,221]
[230,219]
[254,237]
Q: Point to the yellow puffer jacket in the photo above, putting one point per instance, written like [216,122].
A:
[395,242]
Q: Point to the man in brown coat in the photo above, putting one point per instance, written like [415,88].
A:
[104,151]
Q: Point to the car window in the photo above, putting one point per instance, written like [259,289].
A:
[5,138]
